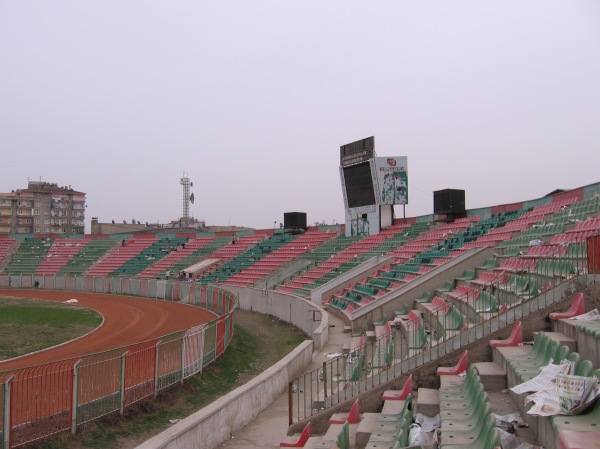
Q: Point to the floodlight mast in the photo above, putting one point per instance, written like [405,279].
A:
[186,183]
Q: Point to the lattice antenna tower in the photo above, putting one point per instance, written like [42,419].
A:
[187,199]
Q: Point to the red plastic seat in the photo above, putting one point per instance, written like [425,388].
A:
[577,308]
[402,394]
[352,417]
[461,365]
[302,439]
[514,339]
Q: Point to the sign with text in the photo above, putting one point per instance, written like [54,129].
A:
[390,177]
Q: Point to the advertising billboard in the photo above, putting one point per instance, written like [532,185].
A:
[390,178]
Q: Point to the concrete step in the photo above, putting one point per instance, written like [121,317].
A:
[563,339]
[493,377]
[428,402]
[365,429]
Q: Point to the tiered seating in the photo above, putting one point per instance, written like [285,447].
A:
[463,293]
[446,320]
[278,258]
[255,249]
[202,248]
[555,268]
[352,256]
[351,369]
[545,251]
[466,418]
[586,333]
[119,255]
[516,265]
[474,303]
[498,228]
[168,262]
[7,245]
[537,227]
[389,279]
[59,254]
[330,248]
[591,225]
[523,363]
[488,278]
[390,428]
[545,350]
[413,330]
[384,348]
[149,255]
[523,287]
[337,437]
[29,255]
[468,275]
[93,251]
[587,207]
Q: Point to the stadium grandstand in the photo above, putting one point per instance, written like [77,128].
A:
[428,333]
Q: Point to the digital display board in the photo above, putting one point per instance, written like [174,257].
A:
[357,152]
[358,183]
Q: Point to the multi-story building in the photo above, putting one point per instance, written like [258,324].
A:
[42,208]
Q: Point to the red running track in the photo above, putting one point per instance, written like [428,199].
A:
[127,320]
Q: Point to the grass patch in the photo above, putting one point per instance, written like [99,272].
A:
[29,325]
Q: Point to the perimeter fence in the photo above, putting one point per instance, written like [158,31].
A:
[43,400]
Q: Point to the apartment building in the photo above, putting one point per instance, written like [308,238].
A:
[42,208]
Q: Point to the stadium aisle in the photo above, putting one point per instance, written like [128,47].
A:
[270,427]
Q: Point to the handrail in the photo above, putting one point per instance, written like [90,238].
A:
[311,395]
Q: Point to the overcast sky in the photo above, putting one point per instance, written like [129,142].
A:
[252,100]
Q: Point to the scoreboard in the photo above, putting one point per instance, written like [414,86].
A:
[357,152]
[359,185]
[371,186]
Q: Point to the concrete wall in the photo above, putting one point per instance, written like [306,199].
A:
[214,424]
[298,312]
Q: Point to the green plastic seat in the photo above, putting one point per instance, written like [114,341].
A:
[540,341]
[586,422]
[469,436]
[575,359]
[529,370]
[472,394]
[343,438]
[459,392]
[585,369]
[474,421]
[468,410]
[387,432]
[475,439]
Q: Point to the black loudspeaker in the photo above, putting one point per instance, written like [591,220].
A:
[449,202]
[294,220]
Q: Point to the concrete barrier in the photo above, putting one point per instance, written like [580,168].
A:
[214,424]
[297,311]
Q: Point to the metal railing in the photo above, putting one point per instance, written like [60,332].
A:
[366,365]
[43,400]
